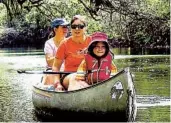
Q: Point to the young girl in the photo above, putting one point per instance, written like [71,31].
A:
[97,64]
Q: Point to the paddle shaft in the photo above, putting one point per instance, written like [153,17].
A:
[44,72]
[49,72]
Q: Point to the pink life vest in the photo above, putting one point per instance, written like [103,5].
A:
[95,73]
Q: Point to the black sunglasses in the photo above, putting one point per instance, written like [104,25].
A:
[77,26]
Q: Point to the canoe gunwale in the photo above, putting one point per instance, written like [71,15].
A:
[92,86]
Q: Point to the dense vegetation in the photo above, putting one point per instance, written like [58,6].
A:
[129,23]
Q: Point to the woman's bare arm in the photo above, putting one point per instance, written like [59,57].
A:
[56,67]
[49,59]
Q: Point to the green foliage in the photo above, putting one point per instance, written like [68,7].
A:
[2,14]
[93,26]
[159,7]
[139,21]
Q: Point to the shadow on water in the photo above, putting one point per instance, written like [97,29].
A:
[53,115]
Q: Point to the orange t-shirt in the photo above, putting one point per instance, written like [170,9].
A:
[72,53]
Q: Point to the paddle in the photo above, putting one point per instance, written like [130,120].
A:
[42,72]
[45,72]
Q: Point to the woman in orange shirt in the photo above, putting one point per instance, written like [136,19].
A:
[71,52]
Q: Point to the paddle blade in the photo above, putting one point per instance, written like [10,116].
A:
[21,71]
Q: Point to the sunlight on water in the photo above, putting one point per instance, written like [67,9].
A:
[25,62]
[135,56]
[144,101]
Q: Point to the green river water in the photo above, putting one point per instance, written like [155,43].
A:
[151,75]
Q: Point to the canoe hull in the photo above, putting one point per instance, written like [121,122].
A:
[109,96]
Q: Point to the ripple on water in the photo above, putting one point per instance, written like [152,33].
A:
[144,101]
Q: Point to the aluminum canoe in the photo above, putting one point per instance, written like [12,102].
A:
[113,95]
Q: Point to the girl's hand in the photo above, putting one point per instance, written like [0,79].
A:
[58,86]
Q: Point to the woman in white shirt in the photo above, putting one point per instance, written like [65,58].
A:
[60,30]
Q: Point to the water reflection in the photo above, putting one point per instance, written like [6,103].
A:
[152,74]
[20,51]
